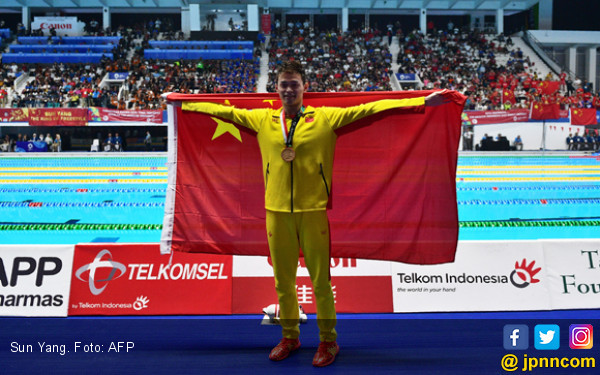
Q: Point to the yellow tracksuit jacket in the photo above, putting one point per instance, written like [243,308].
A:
[305,183]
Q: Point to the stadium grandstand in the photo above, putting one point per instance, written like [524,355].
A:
[104,55]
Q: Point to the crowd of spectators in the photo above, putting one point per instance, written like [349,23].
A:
[80,85]
[468,61]
[333,61]
[8,74]
[357,60]
[589,140]
[147,80]
[63,85]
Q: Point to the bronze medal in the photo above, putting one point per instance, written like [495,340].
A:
[288,154]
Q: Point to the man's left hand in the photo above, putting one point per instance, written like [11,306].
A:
[436,98]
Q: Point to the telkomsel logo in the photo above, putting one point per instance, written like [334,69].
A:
[524,274]
[516,337]
[116,270]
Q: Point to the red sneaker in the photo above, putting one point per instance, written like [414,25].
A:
[283,349]
[326,353]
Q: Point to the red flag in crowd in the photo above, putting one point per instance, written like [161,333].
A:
[548,87]
[583,116]
[394,180]
[508,96]
[541,111]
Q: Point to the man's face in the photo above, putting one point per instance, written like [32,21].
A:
[291,89]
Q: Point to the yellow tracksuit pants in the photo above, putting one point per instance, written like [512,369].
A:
[287,233]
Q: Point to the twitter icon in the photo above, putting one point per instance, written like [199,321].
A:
[547,336]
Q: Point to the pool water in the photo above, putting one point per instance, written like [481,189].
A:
[74,198]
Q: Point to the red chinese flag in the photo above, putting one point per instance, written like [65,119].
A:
[548,87]
[540,111]
[508,96]
[583,116]
[393,195]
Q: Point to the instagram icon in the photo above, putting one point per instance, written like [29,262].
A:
[581,336]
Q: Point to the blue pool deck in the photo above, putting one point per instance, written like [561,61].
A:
[81,197]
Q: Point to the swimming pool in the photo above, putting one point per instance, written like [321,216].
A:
[82,197]
[75,198]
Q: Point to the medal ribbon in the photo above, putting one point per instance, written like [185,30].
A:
[287,137]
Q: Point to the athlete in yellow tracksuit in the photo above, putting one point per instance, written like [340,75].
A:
[296,195]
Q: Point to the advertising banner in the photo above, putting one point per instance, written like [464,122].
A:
[265,23]
[104,114]
[573,269]
[35,279]
[118,76]
[31,146]
[406,76]
[359,286]
[58,116]
[14,114]
[134,279]
[63,25]
[486,276]
[494,117]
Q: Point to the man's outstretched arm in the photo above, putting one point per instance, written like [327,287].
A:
[248,118]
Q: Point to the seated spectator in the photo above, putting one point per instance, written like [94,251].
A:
[57,144]
[518,143]
[578,142]
[118,142]
[570,142]
[590,142]
[6,144]
[109,143]
[48,140]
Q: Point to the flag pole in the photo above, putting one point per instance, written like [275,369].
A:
[543,137]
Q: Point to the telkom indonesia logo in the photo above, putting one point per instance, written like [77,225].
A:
[116,270]
[524,273]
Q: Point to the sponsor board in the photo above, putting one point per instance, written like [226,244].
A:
[406,76]
[35,279]
[486,276]
[261,266]
[14,114]
[63,25]
[359,286]
[135,279]
[58,116]
[104,114]
[573,268]
[495,117]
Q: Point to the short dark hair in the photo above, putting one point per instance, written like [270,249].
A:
[293,67]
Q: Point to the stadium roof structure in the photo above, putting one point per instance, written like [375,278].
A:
[450,5]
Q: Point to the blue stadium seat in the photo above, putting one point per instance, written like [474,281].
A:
[69,40]
[208,54]
[49,58]
[61,48]
[209,45]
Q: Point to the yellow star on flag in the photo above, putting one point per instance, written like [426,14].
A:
[270,101]
[225,127]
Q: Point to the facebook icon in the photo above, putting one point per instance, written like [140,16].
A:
[516,337]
